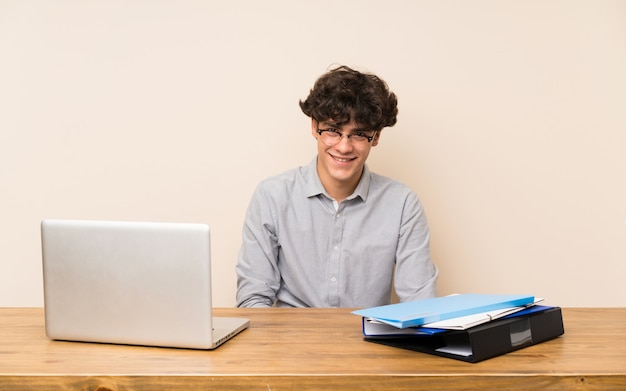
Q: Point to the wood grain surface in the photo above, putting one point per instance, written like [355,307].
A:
[309,349]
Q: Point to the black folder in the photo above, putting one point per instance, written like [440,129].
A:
[487,340]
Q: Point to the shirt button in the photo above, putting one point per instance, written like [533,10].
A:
[336,248]
[333,279]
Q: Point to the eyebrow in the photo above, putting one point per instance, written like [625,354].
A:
[339,125]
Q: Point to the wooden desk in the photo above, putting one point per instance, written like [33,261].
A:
[309,349]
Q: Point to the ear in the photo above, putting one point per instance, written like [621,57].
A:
[376,138]
[314,126]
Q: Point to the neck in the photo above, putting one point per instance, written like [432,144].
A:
[339,194]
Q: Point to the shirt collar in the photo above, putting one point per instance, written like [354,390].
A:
[315,187]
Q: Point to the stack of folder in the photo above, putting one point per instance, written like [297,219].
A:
[467,327]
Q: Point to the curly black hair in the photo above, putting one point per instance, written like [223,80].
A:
[344,94]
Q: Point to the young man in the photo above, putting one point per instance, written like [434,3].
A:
[332,234]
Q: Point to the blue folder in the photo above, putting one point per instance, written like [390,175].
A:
[417,313]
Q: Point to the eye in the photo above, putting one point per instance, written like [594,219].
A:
[330,132]
[360,137]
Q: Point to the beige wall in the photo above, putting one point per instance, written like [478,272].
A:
[512,126]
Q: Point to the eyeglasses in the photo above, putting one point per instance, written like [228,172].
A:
[332,137]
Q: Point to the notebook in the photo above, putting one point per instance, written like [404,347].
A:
[131,283]
[419,312]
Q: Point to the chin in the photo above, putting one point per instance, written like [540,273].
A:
[343,175]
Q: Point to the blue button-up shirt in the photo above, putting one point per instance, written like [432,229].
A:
[301,249]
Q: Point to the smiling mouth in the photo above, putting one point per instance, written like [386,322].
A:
[342,159]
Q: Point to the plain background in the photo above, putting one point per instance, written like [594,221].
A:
[512,126]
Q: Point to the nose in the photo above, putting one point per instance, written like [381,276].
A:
[344,144]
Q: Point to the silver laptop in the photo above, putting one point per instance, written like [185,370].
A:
[131,283]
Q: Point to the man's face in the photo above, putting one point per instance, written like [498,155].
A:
[341,164]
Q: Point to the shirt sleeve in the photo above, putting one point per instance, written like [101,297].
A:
[415,275]
[258,277]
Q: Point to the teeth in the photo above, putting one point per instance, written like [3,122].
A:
[342,159]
